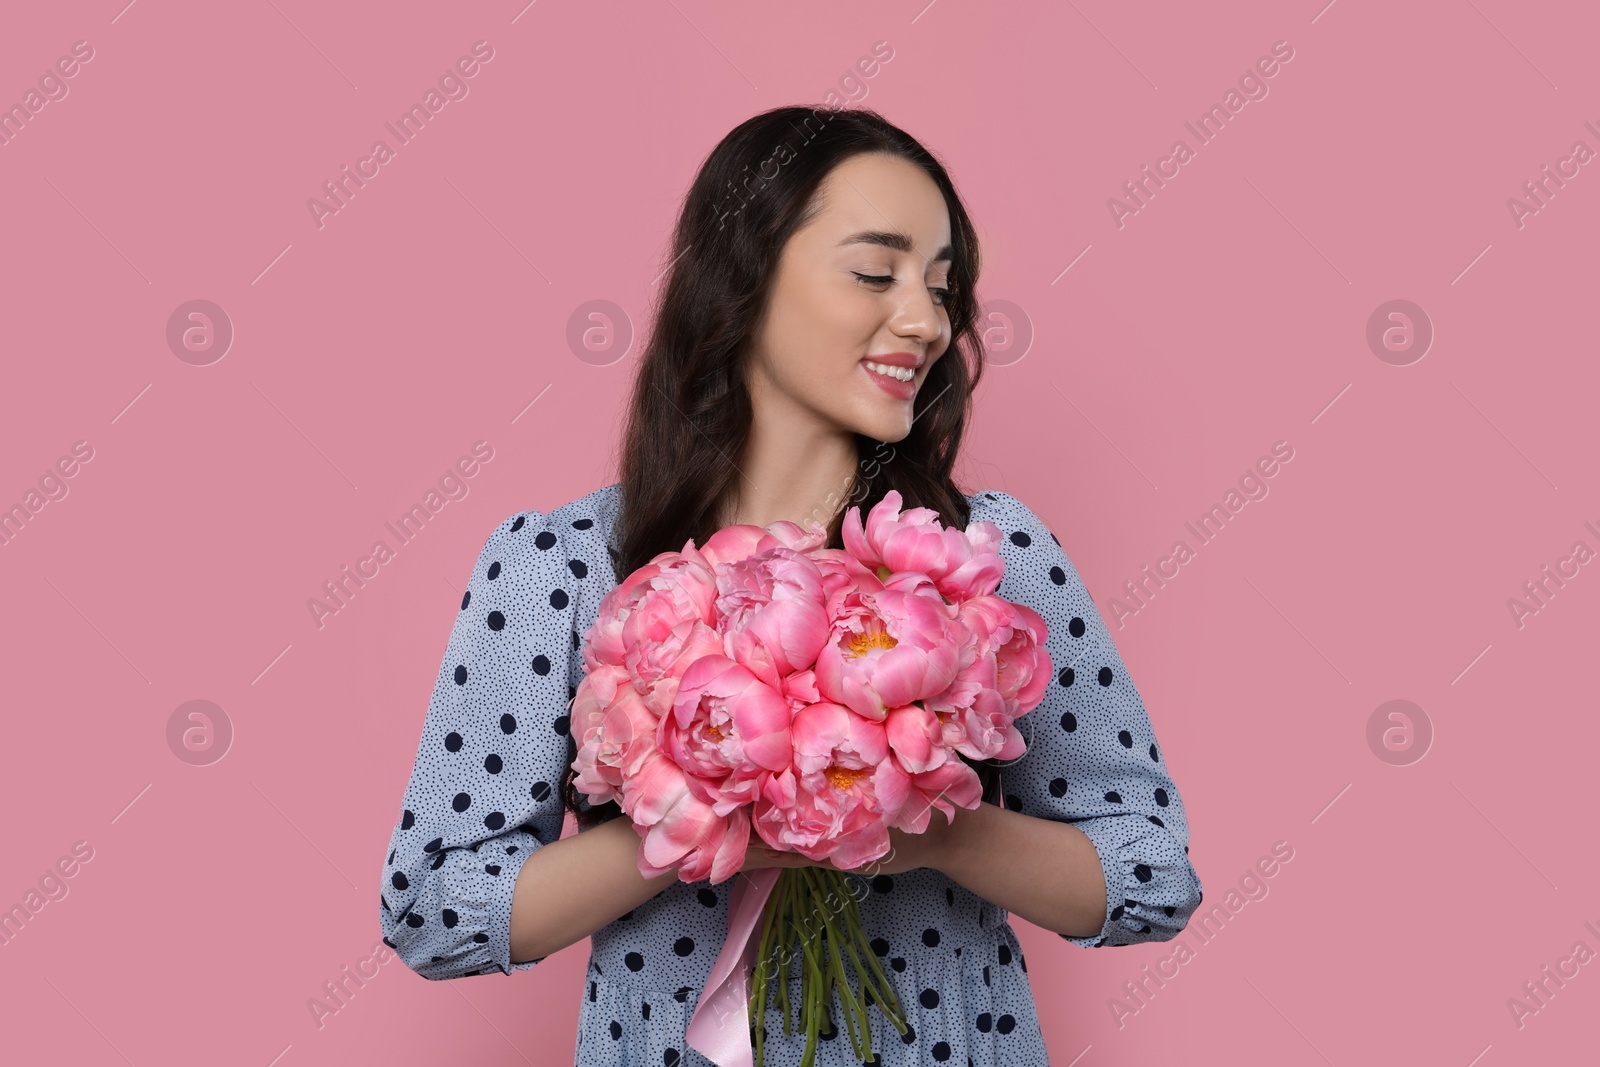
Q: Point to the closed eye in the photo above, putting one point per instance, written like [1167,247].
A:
[884,279]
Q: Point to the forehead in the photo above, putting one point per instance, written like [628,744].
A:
[886,200]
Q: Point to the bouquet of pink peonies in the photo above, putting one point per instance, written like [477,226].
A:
[820,696]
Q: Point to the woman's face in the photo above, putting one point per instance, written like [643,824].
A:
[861,284]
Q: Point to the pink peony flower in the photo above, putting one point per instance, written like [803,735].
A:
[1005,677]
[772,612]
[726,727]
[658,655]
[678,829]
[913,797]
[732,544]
[1024,665]
[615,732]
[742,540]
[684,581]
[960,564]
[985,729]
[801,539]
[825,806]
[916,736]
[887,648]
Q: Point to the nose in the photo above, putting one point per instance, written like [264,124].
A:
[918,317]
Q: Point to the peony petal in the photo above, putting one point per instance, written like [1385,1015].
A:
[732,543]
[1014,746]
[688,826]
[729,858]
[654,789]
[913,733]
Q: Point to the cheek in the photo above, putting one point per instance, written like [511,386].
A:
[818,356]
[846,315]
[802,368]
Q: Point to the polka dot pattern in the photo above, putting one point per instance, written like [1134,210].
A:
[483,791]
[482,798]
[1092,757]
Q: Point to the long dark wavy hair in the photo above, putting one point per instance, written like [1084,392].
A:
[690,412]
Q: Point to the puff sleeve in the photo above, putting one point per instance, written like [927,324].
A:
[484,788]
[1092,758]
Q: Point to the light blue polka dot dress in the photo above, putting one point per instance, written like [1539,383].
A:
[483,797]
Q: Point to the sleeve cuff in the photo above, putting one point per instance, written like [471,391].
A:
[500,894]
[1151,887]
[479,941]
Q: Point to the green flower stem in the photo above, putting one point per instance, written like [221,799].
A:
[881,989]
[819,902]
[800,916]
[830,950]
[847,940]
[810,982]
[760,978]
[802,936]
[852,1008]
[888,1001]
[762,975]
[807,963]
[854,935]
[785,945]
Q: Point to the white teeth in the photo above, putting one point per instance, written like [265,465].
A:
[905,374]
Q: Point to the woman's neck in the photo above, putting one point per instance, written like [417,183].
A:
[801,477]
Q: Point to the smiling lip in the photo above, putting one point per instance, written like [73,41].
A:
[898,359]
[893,386]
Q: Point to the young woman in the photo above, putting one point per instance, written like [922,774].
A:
[814,347]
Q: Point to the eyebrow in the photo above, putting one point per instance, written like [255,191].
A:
[898,241]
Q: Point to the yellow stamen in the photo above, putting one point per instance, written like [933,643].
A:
[844,777]
[861,643]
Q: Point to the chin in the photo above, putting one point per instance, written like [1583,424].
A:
[881,428]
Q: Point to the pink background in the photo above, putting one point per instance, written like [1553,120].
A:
[432,312]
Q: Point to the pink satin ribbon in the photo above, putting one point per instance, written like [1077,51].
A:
[719,1029]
